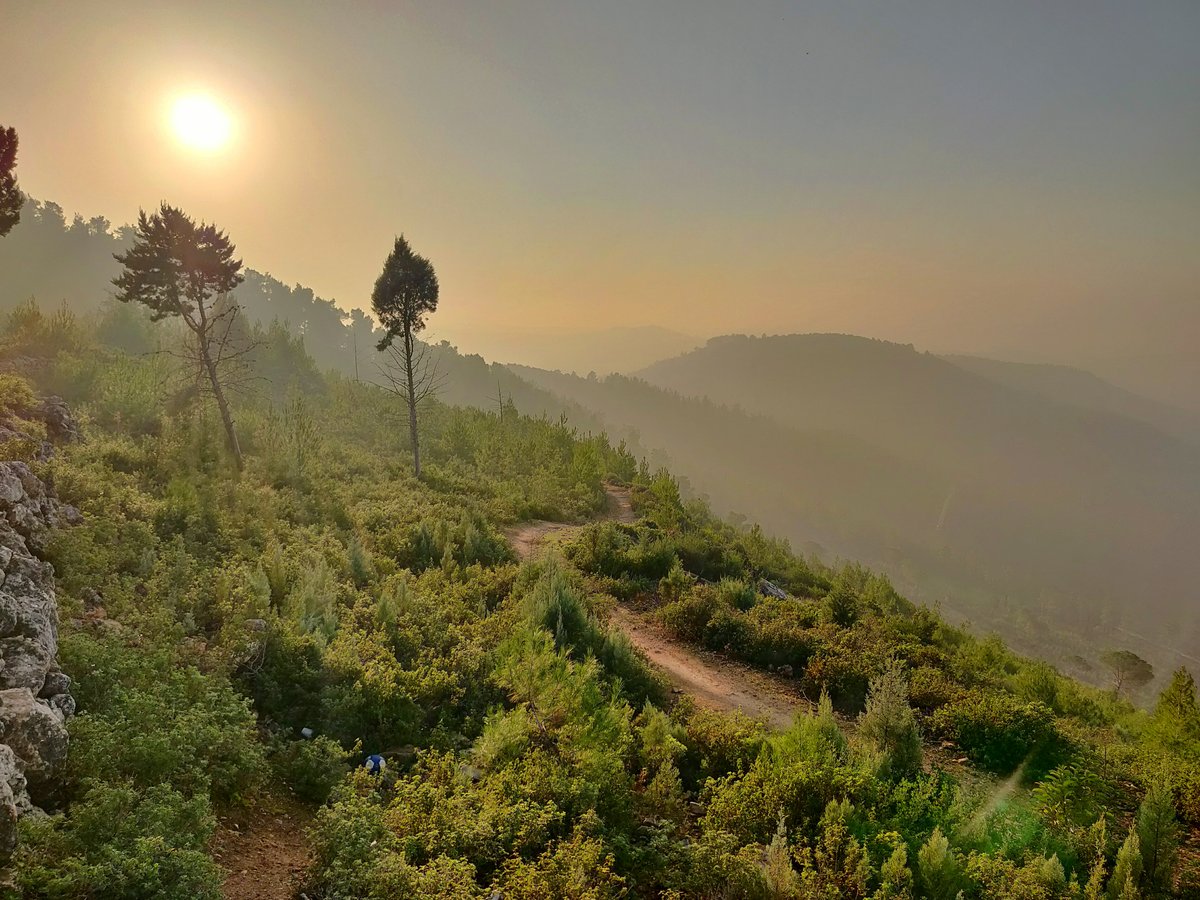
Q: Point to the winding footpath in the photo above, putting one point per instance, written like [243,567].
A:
[713,682]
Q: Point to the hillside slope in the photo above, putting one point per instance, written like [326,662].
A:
[239,640]
[1077,387]
[1007,507]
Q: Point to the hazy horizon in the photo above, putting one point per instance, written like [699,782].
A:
[985,181]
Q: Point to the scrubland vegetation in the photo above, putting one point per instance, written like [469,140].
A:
[969,486]
[210,615]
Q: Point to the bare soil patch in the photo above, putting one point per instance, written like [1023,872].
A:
[264,851]
[715,683]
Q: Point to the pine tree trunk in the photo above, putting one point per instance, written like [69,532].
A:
[412,402]
[226,419]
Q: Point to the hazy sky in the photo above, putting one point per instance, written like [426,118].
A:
[1013,177]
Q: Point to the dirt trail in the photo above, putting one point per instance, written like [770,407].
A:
[529,538]
[715,683]
[266,854]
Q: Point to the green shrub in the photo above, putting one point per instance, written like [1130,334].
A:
[782,633]
[729,631]
[738,593]
[717,745]
[16,396]
[145,720]
[1000,732]
[689,616]
[930,689]
[311,768]
[121,843]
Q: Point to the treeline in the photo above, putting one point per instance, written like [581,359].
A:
[61,264]
[56,261]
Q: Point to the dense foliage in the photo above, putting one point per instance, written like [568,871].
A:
[210,616]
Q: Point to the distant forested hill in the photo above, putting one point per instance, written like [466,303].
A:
[621,349]
[70,263]
[1067,384]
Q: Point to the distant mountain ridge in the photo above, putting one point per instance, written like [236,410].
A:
[620,349]
[970,488]
[1079,387]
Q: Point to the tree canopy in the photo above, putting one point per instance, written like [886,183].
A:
[11,198]
[178,268]
[1128,669]
[405,292]
[176,265]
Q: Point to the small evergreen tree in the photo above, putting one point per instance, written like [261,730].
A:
[841,606]
[895,877]
[1127,871]
[814,736]
[939,875]
[1177,712]
[838,865]
[1094,889]
[888,724]
[675,584]
[1158,839]
[782,880]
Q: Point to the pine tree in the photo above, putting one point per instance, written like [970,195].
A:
[782,880]
[405,293]
[11,198]
[1177,714]
[179,269]
[841,606]
[1094,889]
[1127,668]
[888,724]
[1127,871]
[838,865]
[895,877]
[1178,699]
[1158,839]
[938,872]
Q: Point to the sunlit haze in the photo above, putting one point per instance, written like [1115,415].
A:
[995,178]
[200,122]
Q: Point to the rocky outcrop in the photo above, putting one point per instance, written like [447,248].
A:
[14,799]
[35,698]
[56,420]
[61,426]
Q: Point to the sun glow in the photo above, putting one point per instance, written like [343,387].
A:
[200,122]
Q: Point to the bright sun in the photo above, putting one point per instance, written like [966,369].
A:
[200,122]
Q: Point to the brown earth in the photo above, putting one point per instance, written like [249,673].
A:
[713,682]
[265,851]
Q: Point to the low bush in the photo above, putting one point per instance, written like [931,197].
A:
[1000,732]
[311,768]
